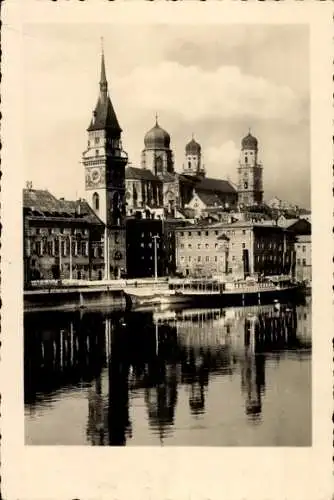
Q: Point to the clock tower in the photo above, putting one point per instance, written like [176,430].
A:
[104,161]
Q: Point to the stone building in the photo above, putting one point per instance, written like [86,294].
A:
[62,239]
[301,228]
[140,237]
[250,173]
[157,190]
[104,161]
[199,252]
[238,250]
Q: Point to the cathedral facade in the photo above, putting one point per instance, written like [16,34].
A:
[155,189]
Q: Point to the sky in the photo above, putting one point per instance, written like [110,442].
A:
[213,81]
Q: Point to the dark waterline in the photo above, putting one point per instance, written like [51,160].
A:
[214,377]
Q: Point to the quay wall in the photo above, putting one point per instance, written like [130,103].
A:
[73,299]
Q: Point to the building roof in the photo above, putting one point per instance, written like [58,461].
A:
[215,185]
[193,148]
[167,177]
[157,138]
[39,203]
[249,142]
[136,173]
[298,226]
[209,199]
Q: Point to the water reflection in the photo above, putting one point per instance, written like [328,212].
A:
[120,357]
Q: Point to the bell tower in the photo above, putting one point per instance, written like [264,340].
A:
[104,161]
[193,156]
[250,184]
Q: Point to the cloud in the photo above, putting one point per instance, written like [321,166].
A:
[198,94]
[221,161]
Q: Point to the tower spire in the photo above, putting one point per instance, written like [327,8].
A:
[156,119]
[103,78]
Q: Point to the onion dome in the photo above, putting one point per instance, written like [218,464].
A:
[193,148]
[157,138]
[249,142]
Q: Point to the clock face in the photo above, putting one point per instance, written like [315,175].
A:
[95,175]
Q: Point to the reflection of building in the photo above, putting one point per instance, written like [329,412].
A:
[304,321]
[152,356]
[104,161]
[62,239]
[161,401]
[241,249]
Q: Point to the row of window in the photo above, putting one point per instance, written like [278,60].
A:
[49,231]
[272,245]
[301,262]
[206,233]
[199,259]
[199,245]
[52,248]
[303,247]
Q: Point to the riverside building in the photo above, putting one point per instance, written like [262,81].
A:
[62,239]
[238,250]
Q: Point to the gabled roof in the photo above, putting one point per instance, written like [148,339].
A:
[42,204]
[168,177]
[215,185]
[40,199]
[298,226]
[140,174]
[209,199]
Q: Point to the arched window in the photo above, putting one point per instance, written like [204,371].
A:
[96,202]
[189,164]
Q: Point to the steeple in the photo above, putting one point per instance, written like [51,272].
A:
[104,116]
[103,79]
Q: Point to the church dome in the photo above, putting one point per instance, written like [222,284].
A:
[193,148]
[157,138]
[249,142]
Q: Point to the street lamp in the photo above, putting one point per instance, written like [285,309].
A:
[155,238]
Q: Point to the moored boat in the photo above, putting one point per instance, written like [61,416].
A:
[213,292]
[237,292]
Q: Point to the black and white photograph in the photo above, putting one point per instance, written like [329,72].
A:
[166,251]
[167,235]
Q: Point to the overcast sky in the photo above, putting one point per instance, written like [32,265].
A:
[214,81]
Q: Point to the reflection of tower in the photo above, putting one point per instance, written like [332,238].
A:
[118,417]
[161,402]
[252,373]
[95,425]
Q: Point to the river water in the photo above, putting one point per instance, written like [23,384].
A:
[213,377]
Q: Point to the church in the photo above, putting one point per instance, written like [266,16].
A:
[116,190]
[157,190]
